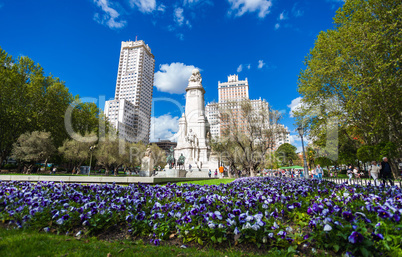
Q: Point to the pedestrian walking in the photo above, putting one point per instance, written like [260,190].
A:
[386,172]
[216,173]
[209,173]
[374,171]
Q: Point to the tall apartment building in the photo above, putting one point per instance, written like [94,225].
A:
[130,111]
[230,92]
[233,90]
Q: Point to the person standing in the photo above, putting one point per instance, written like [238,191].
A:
[356,172]
[319,171]
[386,172]
[216,173]
[374,171]
[221,170]
[350,174]
[209,173]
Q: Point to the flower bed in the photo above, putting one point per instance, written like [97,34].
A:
[300,215]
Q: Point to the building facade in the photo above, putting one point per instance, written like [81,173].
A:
[233,90]
[231,94]
[130,111]
[165,145]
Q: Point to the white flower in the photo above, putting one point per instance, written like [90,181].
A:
[327,228]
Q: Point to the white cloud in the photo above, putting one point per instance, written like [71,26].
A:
[173,78]
[277,26]
[240,7]
[110,17]
[164,127]
[294,105]
[193,3]
[261,64]
[144,6]
[249,66]
[282,16]
[180,36]
[296,11]
[294,138]
[178,15]
[240,68]
[161,8]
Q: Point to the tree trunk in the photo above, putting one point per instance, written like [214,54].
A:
[116,171]
[395,170]
[45,164]
[252,172]
[106,171]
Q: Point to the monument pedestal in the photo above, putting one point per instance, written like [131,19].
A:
[145,173]
[175,173]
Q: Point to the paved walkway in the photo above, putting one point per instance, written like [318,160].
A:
[96,179]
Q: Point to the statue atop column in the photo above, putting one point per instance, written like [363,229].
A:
[195,76]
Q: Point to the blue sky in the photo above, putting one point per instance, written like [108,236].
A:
[79,41]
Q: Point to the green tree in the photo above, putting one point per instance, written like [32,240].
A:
[287,154]
[353,74]
[248,132]
[76,151]
[30,101]
[33,147]
[158,155]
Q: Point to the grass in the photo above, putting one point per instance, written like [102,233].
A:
[31,243]
[208,181]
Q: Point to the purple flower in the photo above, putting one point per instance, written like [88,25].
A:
[282,234]
[347,215]
[384,214]
[355,237]
[236,212]
[396,217]
[377,237]
[187,219]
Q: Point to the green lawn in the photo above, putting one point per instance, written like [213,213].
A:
[208,181]
[30,243]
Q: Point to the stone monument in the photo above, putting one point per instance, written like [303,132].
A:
[147,164]
[193,141]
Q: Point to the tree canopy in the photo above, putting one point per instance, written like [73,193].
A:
[33,147]
[286,153]
[353,75]
[32,101]
[248,133]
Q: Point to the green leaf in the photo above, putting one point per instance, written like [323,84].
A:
[291,250]
[364,252]
[200,241]
[336,248]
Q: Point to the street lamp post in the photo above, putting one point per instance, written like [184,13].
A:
[91,149]
[301,131]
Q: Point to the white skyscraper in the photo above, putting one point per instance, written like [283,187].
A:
[130,111]
[232,91]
